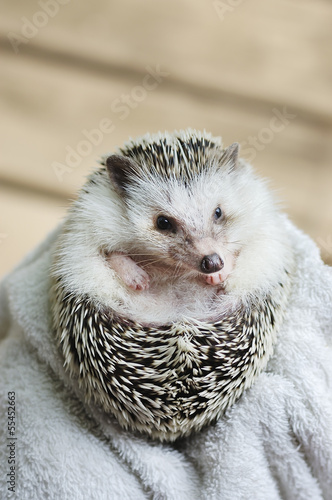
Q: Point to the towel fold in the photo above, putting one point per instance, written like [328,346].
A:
[274,443]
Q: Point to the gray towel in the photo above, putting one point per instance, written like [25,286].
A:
[274,443]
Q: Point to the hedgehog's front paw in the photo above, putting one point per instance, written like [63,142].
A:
[215,278]
[131,274]
[137,280]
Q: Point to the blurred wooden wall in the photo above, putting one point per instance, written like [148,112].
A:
[78,78]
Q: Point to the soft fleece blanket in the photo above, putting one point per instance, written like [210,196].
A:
[274,443]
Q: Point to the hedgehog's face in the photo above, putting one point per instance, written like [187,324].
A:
[189,232]
[183,224]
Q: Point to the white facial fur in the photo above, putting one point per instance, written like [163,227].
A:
[248,237]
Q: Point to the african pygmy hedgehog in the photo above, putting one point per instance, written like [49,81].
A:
[170,280]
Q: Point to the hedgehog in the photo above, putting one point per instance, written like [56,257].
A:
[170,280]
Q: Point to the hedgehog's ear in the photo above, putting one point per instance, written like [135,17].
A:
[121,171]
[230,156]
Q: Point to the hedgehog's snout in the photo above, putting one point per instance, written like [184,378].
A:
[211,263]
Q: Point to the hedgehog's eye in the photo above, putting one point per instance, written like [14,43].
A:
[164,223]
[217,213]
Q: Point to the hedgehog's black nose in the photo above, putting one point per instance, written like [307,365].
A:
[211,263]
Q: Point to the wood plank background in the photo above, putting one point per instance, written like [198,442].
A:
[69,67]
